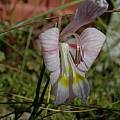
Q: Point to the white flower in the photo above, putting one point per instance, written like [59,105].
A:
[68,61]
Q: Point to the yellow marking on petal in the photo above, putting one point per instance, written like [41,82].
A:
[77,78]
[64,78]
[64,81]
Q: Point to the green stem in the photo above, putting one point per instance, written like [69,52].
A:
[36,99]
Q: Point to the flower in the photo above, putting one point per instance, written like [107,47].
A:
[68,61]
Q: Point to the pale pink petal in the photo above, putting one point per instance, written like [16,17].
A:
[50,48]
[92,41]
[49,42]
[86,13]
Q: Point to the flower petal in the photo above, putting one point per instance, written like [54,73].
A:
[61,90]
[54,76]
[49,42]
[86,13]
[71,82]
[81,89]
[50,48]
[91,41]
[80,85]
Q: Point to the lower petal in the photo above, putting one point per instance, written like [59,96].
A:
[80,87]
[61,90]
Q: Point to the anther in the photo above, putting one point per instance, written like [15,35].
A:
[78,55]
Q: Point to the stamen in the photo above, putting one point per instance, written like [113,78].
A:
[78,56]
[79,52]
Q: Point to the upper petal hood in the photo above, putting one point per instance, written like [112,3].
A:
[85,13]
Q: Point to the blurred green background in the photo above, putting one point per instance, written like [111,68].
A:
[21,61]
